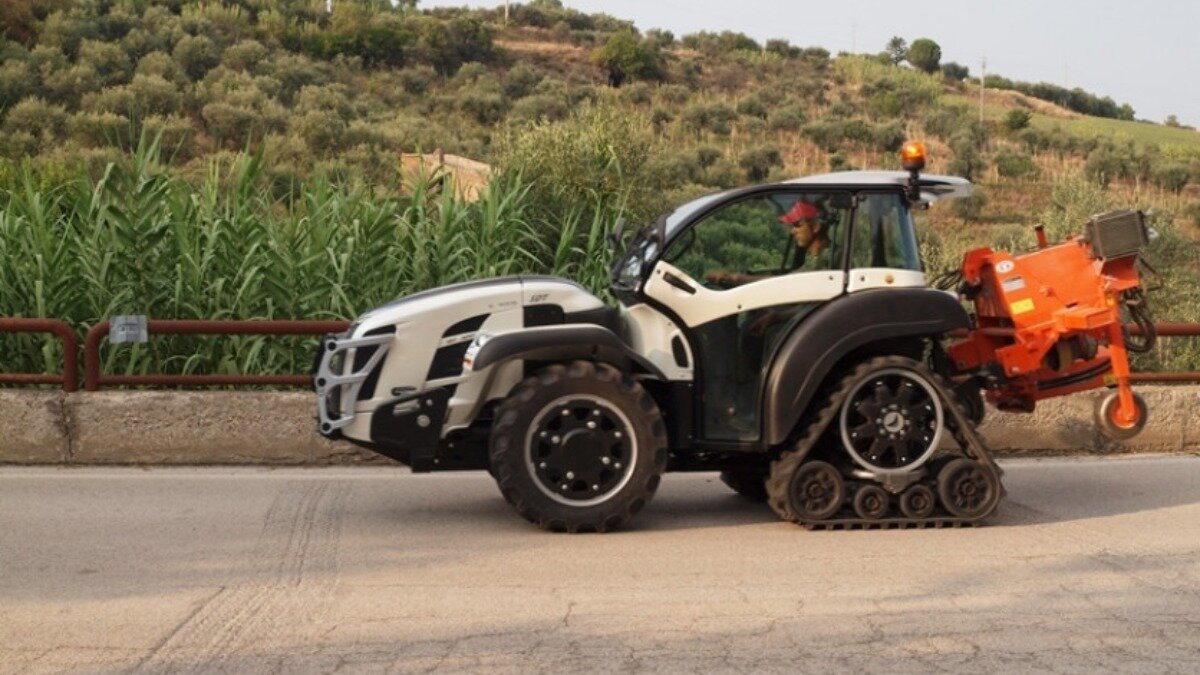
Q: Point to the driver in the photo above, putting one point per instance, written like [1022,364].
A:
[809,235]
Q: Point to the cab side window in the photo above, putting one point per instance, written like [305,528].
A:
[883,234]
[755,238]
[742,236]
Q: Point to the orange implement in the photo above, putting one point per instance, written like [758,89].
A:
[1048,322]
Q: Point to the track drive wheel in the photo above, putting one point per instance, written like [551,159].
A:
[967,489]
[578,448]
[749,483]
[892,420]
[1106,414]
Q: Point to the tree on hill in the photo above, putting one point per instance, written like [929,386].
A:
[1017,119]
[897,49]
[955,71]
[624,56]
[924,54]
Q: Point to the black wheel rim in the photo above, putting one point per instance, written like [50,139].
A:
[891,421]
[871,502]
[817,491]
[581,450]
[917,502]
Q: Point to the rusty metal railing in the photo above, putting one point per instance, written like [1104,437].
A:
[69,379]
[1169,329]
[93,380]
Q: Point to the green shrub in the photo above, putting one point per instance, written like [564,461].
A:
[333,98]
[623,57]
[1173,176]
[247,56]
[41,120]
[17,80]
[1014,164]
[67,87]
[196,54]
[758,162]
[1104,165]
[970,208]
[539,107]
[322,129]
[752,106]
[888,136]
[108,60]
[162,65]
[520,81]
[637,93]
[1017,119]
[100,129]
[674,93]
[596,151]
[788,118]
[153,95]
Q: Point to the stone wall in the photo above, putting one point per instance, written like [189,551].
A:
[143,427]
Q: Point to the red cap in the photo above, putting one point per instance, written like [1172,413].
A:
[801,210]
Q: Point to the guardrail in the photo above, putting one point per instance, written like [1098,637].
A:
[69,379]
[93,380]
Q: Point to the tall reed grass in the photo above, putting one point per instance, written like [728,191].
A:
[141,240]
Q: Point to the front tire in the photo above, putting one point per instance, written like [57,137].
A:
[578,448]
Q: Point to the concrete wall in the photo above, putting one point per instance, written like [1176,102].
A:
[41,427]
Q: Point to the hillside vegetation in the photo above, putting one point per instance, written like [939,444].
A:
[243,156]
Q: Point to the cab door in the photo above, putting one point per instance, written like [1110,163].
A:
[738,281]
[883,244]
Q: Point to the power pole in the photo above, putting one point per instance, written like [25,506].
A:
[506,13]
[982,86]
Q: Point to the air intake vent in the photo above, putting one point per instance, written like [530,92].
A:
[448,361]
[466,326]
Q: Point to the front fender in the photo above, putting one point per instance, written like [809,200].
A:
[563,343]
[836,329]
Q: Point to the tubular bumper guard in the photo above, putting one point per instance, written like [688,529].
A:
[337,382]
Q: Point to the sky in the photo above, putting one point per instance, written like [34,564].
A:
[1144,53]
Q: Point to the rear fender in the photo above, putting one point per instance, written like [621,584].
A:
[839,328]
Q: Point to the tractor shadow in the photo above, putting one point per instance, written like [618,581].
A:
[1040,491]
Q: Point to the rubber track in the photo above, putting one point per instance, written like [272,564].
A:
[968,439]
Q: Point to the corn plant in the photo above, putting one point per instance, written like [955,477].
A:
[140,240]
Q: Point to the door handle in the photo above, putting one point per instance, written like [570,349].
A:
[679,283]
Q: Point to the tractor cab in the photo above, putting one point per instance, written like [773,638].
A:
[737,272]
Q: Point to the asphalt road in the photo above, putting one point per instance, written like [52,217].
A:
[1090,565]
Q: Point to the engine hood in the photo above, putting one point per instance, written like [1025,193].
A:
[457,302]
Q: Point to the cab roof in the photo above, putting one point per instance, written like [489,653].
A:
[933,187]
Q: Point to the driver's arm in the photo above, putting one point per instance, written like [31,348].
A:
[731,279]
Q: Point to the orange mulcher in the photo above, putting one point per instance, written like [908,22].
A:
[1050,322]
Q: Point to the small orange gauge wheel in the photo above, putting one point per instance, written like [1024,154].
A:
[1107,418]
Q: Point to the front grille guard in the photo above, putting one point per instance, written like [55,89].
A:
[337,391]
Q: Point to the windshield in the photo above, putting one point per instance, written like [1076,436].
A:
[631,263]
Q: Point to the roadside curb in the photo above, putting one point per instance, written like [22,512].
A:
[277,428]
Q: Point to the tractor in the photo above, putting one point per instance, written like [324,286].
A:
[784,335]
